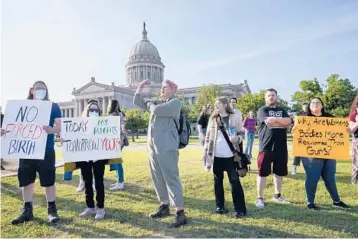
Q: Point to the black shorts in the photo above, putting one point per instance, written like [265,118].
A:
[45,168]
[279,161]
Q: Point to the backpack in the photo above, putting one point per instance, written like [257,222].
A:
[184,130]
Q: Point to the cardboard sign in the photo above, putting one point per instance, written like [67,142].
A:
[321,137]
[90,138]
[23,123]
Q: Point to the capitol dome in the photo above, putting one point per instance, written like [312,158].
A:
[144,62]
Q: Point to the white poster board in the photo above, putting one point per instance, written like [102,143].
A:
[23,123]
[90,138]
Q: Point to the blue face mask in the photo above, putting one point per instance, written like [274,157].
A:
[93,114]
[40,94]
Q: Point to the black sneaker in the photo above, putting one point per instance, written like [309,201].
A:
[219,210]
[179,221]
[25,216]
[312,206]
[163,211]
[341,205]
[240,215]
[52,213]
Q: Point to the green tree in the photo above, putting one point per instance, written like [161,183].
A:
[339,95]
[205,95]
[254,101]
[308,89]
[135,121]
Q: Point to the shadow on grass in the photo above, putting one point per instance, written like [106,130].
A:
[198,227]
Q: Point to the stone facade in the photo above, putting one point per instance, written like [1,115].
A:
[144,63]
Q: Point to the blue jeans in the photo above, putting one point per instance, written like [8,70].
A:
[315,169]
[120,173]
[250,137]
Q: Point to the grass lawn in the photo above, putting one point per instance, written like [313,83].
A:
[127,210]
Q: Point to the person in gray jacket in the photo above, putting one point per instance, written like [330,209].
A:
[163,149]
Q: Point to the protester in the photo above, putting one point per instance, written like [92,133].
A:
[297,160]
[92,169]
[44,167]
[163,144]
[273,122]
[316,168]
[217,154]
[114,110]
[250,128]
[353,126]
[203,121]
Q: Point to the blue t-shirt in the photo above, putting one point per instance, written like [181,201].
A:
[55,113]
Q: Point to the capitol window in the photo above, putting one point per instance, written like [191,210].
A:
[149,75]
[141,75]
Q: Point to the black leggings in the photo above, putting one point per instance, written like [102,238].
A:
[228,165]
[98,171]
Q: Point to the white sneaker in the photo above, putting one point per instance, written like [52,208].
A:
[81,187]
[260,203]
[100,212]
[112,185]
[280,200]
[87,212]
[294,171]
[117,186]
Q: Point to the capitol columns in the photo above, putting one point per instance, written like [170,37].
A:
[104,105]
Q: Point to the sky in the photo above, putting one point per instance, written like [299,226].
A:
[271,43]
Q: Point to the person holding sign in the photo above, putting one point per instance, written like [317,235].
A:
[93,170]
[353,126]
[273,122]
[316,168]
[163,148]
[44,167]
[223,138]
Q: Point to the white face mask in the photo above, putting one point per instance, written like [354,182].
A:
[93,114]
[40,94]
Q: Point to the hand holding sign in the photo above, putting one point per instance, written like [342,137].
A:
[48,129]
[22,134]
[321,137]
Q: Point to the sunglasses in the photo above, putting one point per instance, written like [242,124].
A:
[93,110]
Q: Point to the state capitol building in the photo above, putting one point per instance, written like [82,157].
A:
[144,62]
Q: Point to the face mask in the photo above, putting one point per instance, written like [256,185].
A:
[93,114]
[40,94]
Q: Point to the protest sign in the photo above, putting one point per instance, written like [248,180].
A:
[23,123]
[90,138]
[321,137]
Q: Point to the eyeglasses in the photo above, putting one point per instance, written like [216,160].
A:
[316,103]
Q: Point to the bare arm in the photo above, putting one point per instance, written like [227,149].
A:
[353,126]
[57,126]
[170,109]
[283,122]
